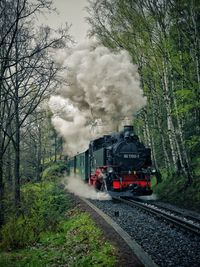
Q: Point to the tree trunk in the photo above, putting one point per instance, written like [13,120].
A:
[17,166]
[196,52]
[150,139]
[186,162]
[182,166]
[55,147]
[39,155]
[8,161]
[17,129]
[1,192]
[61,147]
[170,126]
[164,148]
[145,134]
[148,136]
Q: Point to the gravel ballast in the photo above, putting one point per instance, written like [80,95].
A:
[167,245]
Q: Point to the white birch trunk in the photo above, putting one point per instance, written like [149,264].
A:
[147,129]
[166,156]
[195,55]
[170,126]
[150,141]
[178,122]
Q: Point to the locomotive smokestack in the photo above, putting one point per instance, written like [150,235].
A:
[128,128]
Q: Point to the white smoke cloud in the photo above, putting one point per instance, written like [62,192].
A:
[101,88]
[76,185]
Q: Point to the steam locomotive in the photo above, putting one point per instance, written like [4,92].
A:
[118,163]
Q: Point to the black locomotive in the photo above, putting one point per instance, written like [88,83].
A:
[116,163]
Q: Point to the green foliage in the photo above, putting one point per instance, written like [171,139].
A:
[173,190]
[78,242]
[42,207]
[196,165]
[55,170]
[194,144]
[187,101]
[84,242]
[163,42]
[19,232]
[51,232]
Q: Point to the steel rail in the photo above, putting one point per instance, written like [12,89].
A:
[174,212]
[161,214]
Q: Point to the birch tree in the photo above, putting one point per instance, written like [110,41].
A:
[158,36]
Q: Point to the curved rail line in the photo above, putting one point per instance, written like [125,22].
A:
[186,217]
[177,221]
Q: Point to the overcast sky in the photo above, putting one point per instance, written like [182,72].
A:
[71,11]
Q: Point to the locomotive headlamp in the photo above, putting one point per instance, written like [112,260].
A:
[110,169]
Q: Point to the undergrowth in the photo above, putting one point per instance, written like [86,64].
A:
[51,231]
[53,171]
[42,208]
[173,190]
[77,242]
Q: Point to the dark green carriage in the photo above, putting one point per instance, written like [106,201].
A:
[79,165]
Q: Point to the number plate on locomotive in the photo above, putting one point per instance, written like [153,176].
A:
[131,156]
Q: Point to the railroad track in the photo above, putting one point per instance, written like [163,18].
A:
[186,223]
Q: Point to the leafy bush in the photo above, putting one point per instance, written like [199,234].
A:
[42,207]
[55,170]
[19,232]
[77,243]
[173,190]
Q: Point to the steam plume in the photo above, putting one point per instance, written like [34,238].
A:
[101,89]
[75,184]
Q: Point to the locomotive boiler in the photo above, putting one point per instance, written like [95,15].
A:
[118,163]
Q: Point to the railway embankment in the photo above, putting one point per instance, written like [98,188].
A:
[52,230]
[55,233]
[176,191]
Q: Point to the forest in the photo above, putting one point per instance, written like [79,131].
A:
[28,75]
[163,39]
